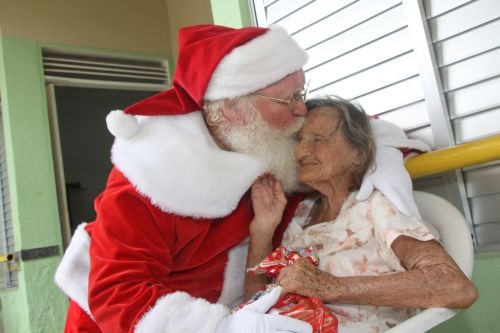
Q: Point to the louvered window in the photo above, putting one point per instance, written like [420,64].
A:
[373,51]
[66,67]
[8,273]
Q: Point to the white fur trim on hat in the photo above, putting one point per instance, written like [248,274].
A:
[169,315]
[257,64]
[122,125]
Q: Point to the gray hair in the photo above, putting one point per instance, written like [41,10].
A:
[355,127]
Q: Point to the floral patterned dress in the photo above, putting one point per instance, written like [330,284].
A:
[358,243]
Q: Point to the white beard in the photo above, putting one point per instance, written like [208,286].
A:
[273,147]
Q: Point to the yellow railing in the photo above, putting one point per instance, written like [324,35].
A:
[460,156]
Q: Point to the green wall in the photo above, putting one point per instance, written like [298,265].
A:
[36,305]
[231,13]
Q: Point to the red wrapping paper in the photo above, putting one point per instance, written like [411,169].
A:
[308,309]
[282,257]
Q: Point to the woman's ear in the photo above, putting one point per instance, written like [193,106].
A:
[357,159]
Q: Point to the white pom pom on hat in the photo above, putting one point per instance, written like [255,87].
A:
[216,62]
[122,125]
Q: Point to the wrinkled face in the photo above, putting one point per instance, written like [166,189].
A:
[277,114]
[322,151]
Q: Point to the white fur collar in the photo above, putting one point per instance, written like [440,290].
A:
[174,161]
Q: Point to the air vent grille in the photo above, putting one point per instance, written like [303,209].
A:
[90,67]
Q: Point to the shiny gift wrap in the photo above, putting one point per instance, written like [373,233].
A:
[282,257]
[309,309]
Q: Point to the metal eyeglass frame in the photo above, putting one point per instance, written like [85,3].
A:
[296,96]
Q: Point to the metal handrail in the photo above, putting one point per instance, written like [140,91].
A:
[451,158]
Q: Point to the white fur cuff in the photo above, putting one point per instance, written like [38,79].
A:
[179,312]
[72,274]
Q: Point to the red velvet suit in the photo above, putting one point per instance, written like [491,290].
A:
[140,253]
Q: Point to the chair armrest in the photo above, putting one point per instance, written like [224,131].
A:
[424,320]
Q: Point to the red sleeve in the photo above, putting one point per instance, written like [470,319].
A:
[78,321]
[131,258]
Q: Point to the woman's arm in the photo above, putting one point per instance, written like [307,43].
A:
[269,202]
[432,279]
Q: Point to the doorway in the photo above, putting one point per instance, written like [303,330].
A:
[84,148]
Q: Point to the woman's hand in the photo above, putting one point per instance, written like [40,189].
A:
[305,279]
[269,202]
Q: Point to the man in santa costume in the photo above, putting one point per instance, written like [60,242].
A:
[167,250]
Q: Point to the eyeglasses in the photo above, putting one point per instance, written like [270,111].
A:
[297,96]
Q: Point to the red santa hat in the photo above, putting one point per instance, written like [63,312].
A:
[216,62]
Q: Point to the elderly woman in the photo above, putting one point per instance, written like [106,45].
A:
[376,265]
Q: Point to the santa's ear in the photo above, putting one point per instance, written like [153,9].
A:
[231,111]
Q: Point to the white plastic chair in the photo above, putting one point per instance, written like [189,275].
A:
[456,239]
